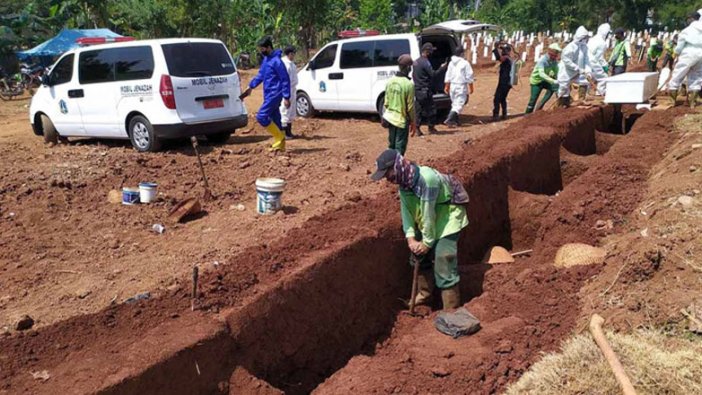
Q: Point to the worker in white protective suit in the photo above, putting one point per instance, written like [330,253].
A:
[689,63]
[458,84]
[599,67]
[574,60]
[287,114]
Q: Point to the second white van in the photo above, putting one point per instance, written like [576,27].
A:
[350,75]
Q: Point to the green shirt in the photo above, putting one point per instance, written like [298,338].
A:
[545,70]
[399,101]
[669,48]
[621,49]
[655,52]
[432,215]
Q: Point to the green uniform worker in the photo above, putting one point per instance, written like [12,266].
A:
[654,53]
[544,78]
[399,106]
[433,214]
[620,54]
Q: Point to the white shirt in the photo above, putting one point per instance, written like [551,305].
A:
[459,71]
[292,72]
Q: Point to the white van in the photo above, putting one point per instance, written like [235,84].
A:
[351,74]
[145,91]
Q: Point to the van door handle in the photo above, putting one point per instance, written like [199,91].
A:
[75,93]
[336,76]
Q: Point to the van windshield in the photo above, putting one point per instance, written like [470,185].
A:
[197,59]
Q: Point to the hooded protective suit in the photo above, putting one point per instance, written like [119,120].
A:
[287,114]
[689,53]
[574,60]
[459,74]
[597,46]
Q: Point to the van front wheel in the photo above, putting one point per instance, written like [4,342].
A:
[49,131]
[141,134]
[304,106]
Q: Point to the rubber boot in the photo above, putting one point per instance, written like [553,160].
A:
[451,120]
[563,102]
[431,129]
[582,92]
[674,97]
[278,138]
[451,297]
[425,287]
[692,98]
[288,132]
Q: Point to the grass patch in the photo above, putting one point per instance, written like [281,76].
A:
[655,363]
[692,123]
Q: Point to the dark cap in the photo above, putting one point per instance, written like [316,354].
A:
[265,41]
[428,47]
[404,60]
[459,51]
[385,161]
[619,31]
[289,49]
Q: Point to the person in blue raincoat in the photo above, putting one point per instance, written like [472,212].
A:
[276,89]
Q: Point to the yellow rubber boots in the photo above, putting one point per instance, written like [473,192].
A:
[278,138]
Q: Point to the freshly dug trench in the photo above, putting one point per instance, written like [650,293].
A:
[300,290]
[605,141]
[525,209]
[524,309]
[573,166]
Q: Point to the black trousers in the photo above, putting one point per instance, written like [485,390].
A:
[500,99]
[425,107]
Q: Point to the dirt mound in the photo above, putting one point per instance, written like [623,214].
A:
[653,270]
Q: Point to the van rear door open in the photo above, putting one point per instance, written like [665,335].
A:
[204,81]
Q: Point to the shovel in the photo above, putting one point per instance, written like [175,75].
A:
[415,276]
[208,194]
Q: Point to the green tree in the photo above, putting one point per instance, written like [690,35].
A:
[376,14]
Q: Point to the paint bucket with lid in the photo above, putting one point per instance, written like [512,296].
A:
[147,192]
[130,196]
[269,193]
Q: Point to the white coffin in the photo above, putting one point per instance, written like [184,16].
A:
[631,88]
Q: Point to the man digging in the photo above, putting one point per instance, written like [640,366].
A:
[433,215]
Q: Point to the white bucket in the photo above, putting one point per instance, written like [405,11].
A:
[268,195]
[147,192]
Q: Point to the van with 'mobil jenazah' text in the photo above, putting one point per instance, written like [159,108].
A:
[144,91]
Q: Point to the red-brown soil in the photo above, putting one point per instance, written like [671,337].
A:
[526,308]
[294,305]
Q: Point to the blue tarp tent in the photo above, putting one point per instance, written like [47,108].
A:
[47,51]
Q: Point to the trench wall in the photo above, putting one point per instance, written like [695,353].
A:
[310,324]
[356,290]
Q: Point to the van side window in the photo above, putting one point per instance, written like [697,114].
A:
[95,66]
[356,55]
[326,57]
[63,71]
[133,63]
[387,51]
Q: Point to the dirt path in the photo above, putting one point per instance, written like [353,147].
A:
[66,251]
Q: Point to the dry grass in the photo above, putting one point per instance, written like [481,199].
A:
[656,364]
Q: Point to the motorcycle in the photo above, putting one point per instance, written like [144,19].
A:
[31,76]
[10,86]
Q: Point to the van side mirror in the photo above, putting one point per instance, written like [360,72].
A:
[46,79]
[313,64]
